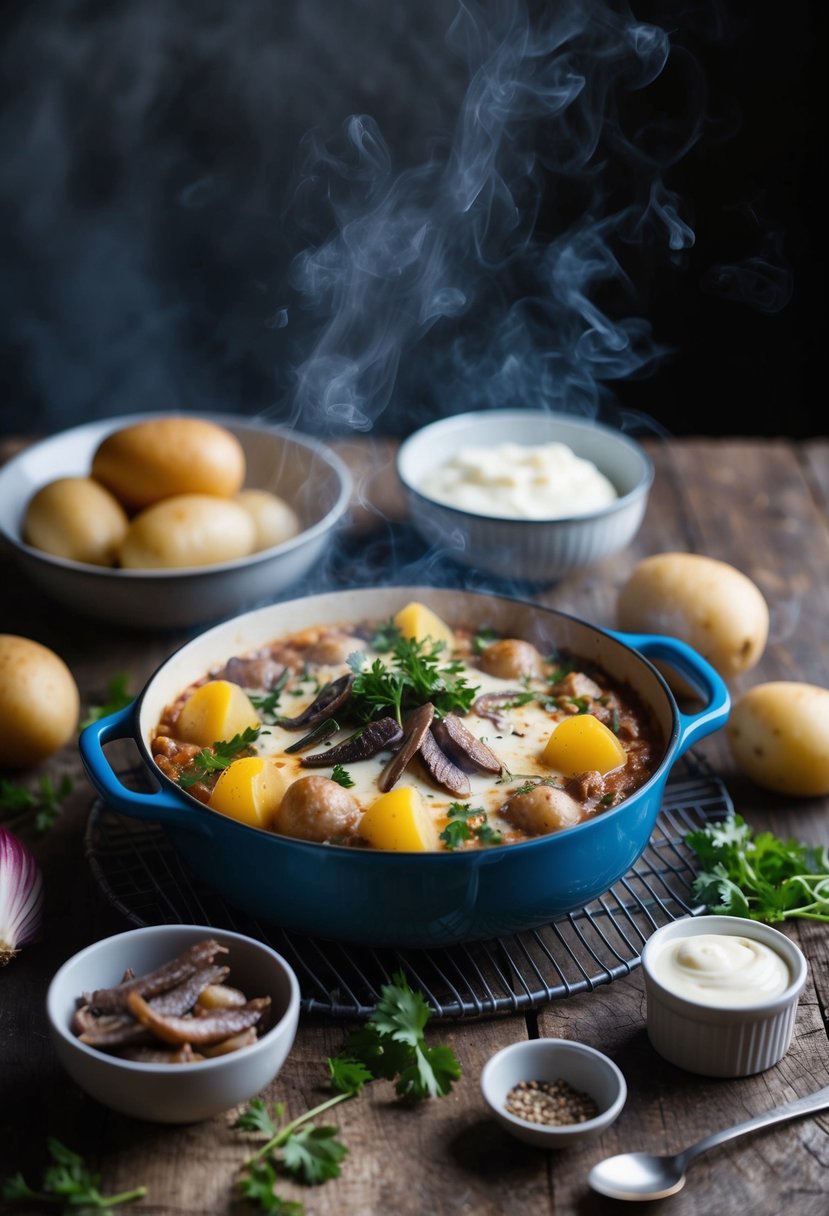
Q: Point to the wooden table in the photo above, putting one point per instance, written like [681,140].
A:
[761,505]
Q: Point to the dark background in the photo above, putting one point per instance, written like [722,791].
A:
[532,208]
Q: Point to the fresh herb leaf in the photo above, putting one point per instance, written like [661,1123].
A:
[401,1015]
[563,669]
[268,704]
[220,755]
[18,803]
[342,777]
[521,698]
[256,1118]
[482,639]
[390,1044]
[313,1154]
[467,823]
[67,1179]
[759,877]
[118,697]
[348,1076]
[413,677]
[456,834]
[385,637]
[257,1186]
[488,834]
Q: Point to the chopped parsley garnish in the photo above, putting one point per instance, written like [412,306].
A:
[342,777]
[217,757]
[467,823]
[268,703]
[414,676]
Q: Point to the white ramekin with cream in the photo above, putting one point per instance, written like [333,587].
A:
[722,994]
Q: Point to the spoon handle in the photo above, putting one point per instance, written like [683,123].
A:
[800,1106]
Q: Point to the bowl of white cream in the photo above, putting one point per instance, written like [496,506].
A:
[722,994]
[522,493]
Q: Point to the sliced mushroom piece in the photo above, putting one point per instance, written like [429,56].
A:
[443,770]
[107,1030]
[416,727]
[113,1029]
[331,698]
[262,672]
[462,747]
[211,1028]
[160,980]
[373,738]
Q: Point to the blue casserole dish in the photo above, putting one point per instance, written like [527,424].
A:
[378,898]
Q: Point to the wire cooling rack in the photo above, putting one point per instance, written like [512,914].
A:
[144,878]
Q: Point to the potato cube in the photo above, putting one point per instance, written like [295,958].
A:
[419,622]
[250,790]
[216,712]
[400,821]
[582,744]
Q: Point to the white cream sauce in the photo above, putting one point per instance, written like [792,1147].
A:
[721,970]
[547,481]
[519,751]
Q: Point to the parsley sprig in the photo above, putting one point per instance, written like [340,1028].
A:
[18,804]
[413,676]
[217,757]
[391,1045]
[67,1183]
[759,877]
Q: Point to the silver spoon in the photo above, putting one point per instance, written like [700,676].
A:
[647,1176]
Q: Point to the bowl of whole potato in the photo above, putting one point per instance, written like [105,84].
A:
[171,520]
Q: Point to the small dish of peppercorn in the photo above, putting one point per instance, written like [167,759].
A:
[552,1092]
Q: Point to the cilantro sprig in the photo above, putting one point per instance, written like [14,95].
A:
[391,1045]
[759,877]
[67,1183]
[414,675]
[217,757]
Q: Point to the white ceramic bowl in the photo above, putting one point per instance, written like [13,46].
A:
[542,550]
[174,1093]
[310,477]
[721,1042]
[584,1068]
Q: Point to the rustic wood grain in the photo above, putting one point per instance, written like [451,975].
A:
[760,505]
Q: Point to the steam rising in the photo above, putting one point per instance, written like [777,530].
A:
[451,250]
[342,216]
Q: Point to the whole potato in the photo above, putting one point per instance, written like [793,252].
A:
[707,603]
[39,702]
[166,456]
[188,530]
[76,518]
[273,519]
[779,736]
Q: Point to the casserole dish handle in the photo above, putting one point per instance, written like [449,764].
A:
[156,804]
[699,672]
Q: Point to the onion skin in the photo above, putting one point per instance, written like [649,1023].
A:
[21,896]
